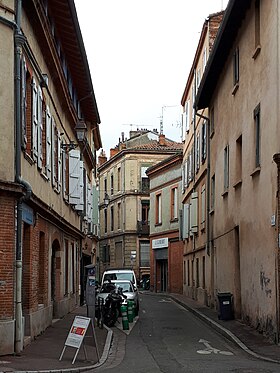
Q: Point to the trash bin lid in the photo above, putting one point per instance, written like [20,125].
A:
[225,294]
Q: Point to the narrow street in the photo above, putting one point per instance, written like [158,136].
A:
[169,339]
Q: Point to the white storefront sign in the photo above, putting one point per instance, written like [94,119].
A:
[160,243]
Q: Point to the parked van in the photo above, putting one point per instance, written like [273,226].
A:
[119,274]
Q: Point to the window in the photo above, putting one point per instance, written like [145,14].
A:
[119,215]
[204,58]
[238,164]
[203,206]
[145,185]
[212,196]
[144,254]
[236,67]
[106,254]
[203,272]
[226,168]
[158,209]
[145,211]
[105,185]
[189,277]
[257,136]
[197,272]
[105,220]
[174,203]
[119,179]
[197,160]
[112,184]
[203,142]
[112,218]
[212,120]
[187,110]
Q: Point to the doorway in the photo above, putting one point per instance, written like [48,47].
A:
[163,275]
[55,274]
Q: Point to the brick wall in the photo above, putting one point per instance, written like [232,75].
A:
[7,257]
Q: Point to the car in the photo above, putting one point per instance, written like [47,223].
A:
[128,289]
[119,274]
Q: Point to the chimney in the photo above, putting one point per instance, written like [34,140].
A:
[102,158]
[113,151]
[161,140]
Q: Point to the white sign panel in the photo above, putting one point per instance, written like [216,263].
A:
[160,243]
[77,331]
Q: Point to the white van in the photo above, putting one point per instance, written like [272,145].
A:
[119,274]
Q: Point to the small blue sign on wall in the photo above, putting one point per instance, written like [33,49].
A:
[27,214]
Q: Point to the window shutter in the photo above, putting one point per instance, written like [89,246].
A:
[40,128]
[82,188]
[193,212]
[23,103]
[89,202]
[188,115]
[184,122]
[63,166]
[48,143]
[74,177]
[203,206]
[53,153]
[59,162]
[186,212]
[197,152]
[34,120]
[183,177]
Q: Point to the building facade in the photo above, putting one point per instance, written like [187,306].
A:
[49,137]
[166,247]
[125,200]
[241,87]
[195,175]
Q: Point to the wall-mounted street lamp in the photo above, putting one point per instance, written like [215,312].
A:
[106,199]
[81,130]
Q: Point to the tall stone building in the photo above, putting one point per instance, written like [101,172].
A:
[49,137]
[125,200]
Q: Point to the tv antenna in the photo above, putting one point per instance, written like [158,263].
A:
[161,117]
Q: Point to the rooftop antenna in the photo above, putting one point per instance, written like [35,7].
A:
[161,117]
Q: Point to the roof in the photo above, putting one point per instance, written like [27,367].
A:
[233,17]
[64,16]
[154,145]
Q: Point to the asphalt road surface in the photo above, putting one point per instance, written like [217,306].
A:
[169,339]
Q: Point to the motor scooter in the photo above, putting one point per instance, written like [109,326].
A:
[111,309]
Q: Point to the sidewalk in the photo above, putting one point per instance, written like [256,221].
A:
[42,355]
[244,336]
[44,352]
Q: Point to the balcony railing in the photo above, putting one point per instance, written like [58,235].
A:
[143,228]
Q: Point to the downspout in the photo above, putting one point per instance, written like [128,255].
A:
[19,41]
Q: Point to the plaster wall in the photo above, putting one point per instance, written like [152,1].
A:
[251,203]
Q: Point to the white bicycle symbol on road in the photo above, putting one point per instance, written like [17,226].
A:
[209,349]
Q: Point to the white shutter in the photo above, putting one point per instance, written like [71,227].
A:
[184,125]
[48,142]
[90,202]
[59,162]
[80,205]
[23,102]
[183,177]
[53,153]
[186,220]
[74,177]
[40,128]
[187,115]
[198,152]
[34,120]
[193,212]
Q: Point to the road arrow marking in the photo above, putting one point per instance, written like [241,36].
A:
[209,349]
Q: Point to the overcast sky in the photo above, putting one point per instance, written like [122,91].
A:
[140,53]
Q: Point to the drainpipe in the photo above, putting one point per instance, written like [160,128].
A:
[19,41]
[276,159]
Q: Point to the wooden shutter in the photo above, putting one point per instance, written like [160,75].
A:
[23,103]
[40,128]
[48,142]
[74,177]
[34,120]
[193,212]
